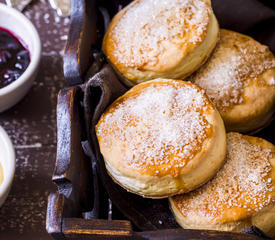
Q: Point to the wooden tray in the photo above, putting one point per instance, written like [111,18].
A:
[81,208]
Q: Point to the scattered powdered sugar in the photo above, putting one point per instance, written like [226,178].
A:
[161,127]
[242,182]
[235,59]
[139,35]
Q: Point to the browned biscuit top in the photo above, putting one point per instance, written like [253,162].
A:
[243,186]
[147,33]
[236,60]
[156,127]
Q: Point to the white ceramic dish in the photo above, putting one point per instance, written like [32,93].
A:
[7,160]
[22,28]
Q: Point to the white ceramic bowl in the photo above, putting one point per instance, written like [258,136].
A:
[7,161]
[22,28]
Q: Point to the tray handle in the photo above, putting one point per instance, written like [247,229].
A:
[81,39]
[73,171]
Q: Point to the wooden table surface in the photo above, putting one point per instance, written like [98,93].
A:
[31,124]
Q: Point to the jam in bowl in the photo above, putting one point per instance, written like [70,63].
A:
[14,57]
[19,65]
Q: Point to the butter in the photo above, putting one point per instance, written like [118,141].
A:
[1,174]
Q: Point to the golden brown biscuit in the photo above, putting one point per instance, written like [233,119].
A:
[240,80]
[160,39]
[161,138]
[241,194]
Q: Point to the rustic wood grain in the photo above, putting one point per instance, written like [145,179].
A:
[31,125]
[96,229]
[55,215]
[82,37]
[73,172]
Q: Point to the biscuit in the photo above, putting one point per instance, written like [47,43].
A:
[152,39]
[239,78]
[161,138]
[240,195]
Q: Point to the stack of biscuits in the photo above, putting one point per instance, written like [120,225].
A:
[195,90]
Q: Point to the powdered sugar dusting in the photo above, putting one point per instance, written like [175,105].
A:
[243,182]
[139,35]
[162,126]
[235,59]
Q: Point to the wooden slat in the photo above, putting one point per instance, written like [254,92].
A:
[54,216]
[185,234]
[96,229]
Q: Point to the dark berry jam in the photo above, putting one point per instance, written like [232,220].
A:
[14,58]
